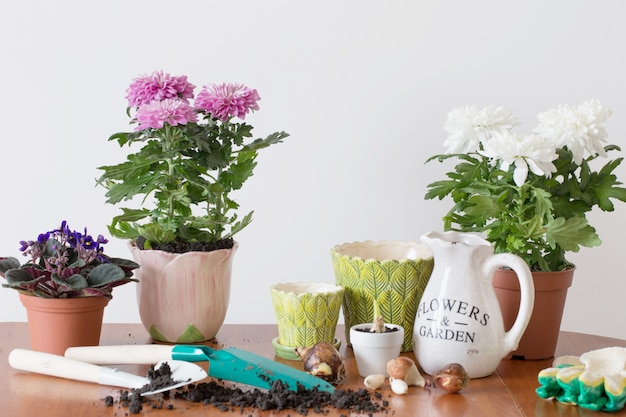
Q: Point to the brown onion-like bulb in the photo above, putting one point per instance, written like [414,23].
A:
[404,368]
[323,361]
[452,378]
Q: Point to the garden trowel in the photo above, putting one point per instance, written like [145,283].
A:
[182,372]
[230,364]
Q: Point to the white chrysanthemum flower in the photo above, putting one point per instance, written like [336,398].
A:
[579,128]
[525,152]
[469,126]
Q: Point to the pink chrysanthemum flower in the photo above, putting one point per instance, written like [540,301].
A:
[158,86]
[227,100]
[171,111]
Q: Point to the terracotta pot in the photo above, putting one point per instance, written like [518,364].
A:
[58,323]
[183,298]
[541,336]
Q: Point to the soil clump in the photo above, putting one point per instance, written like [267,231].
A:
[158,378]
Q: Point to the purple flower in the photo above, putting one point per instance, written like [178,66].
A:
[43,238]
[73,238]
[61,254]
[158,86]
[25,245]
[227,100]
[171,111]
[88,243]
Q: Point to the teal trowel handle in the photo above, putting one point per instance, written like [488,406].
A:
[223,364]
[233,364]
[200,353]
[193,353]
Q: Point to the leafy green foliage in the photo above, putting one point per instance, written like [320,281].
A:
[539,221]
[189,172]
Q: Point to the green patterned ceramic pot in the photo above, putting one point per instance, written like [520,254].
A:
[393,273]
[306,312]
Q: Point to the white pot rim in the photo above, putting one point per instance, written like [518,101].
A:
[307,288]
[361,338]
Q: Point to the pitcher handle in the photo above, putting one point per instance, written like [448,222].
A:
[527,295]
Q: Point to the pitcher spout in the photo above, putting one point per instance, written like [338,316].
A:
[470,245]
[453,237]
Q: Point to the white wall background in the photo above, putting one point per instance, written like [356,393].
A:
[362,86]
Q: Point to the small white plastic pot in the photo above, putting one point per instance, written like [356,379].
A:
[372,351]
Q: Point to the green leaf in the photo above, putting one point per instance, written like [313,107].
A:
[240,171]
[571,233]
[276,137]
[8,263]
[74,282]
[483,206]
[154,233]
[606,187]
[123,230]
[17,276]
[240,225]
[105,274]
[440,189]
[132,215]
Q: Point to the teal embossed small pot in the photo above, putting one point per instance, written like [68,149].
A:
[306,312]
[393,273]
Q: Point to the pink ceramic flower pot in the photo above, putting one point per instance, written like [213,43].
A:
[183,298]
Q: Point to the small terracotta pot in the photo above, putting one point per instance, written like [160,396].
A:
[541,336]
[58,323]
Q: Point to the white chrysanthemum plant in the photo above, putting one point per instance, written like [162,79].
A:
[529,193]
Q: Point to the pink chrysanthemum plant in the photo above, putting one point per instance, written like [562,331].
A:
[529,193]
[192,155]
[64,263]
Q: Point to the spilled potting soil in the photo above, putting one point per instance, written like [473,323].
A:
[277,398]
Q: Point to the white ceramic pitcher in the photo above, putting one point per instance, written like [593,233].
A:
[459,318]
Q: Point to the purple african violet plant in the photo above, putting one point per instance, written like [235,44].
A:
[65,264]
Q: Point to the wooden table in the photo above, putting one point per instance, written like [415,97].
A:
[508,392]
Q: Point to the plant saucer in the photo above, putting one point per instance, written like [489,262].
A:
[289,353]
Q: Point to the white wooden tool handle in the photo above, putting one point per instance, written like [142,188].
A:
[54,365]
[122,354]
